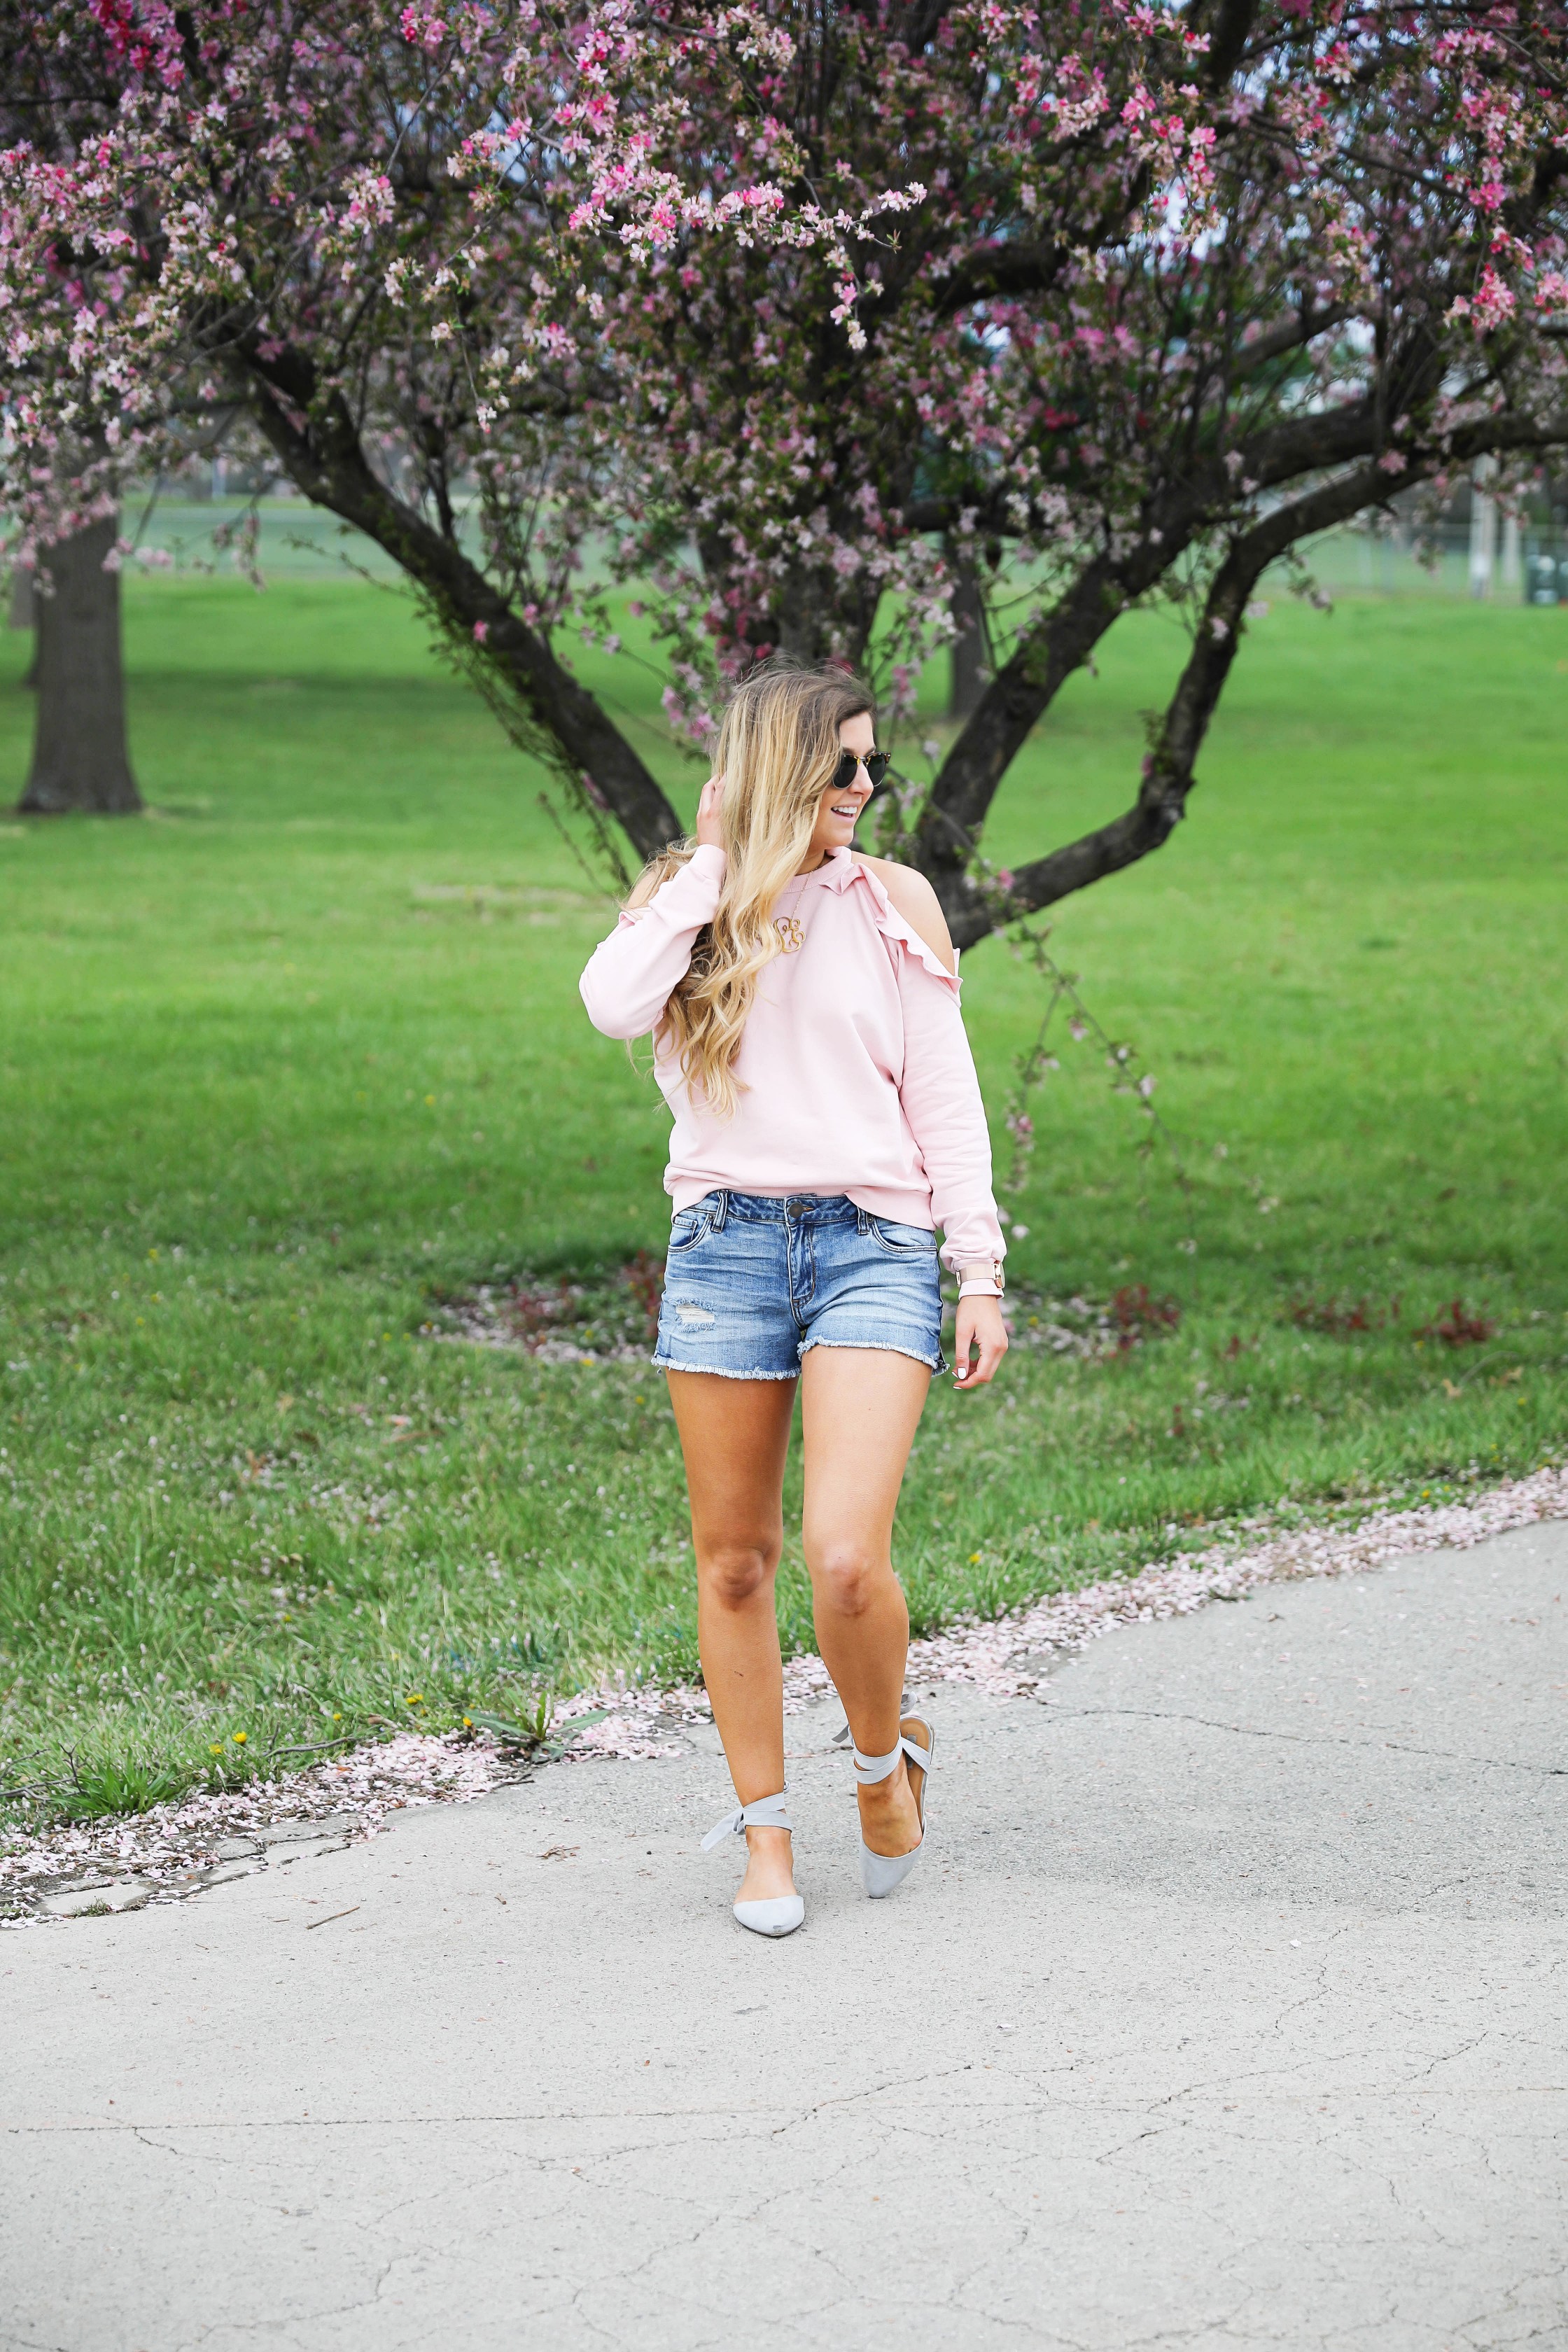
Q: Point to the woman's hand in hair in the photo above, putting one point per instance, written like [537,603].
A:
[708,835]
[981,1333]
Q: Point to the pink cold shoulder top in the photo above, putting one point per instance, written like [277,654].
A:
[854,1074]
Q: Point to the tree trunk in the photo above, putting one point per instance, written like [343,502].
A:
[970,647]
[24,616]
[79,759]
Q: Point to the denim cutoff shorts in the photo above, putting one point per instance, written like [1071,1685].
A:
[751,1285]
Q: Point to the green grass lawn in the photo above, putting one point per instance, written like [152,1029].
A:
[301,1054]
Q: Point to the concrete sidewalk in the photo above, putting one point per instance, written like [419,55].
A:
[1227,2011]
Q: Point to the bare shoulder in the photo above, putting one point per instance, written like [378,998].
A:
[918,903]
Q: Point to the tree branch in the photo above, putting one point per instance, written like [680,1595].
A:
[1229,28]
[990,514]
[1025,686]
[326,460]
[1168,775]
[1004,268]
[1168,770]
[1293,335]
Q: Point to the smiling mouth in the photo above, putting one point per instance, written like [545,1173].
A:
[852,811]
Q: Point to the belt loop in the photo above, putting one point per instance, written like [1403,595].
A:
[862,1222]
[721,1211]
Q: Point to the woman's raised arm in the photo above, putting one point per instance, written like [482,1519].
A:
[630,975]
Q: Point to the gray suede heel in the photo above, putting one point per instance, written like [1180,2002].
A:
[881,1872]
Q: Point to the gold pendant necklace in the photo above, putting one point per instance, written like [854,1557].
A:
[789,929]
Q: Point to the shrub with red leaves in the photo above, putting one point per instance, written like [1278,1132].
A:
[1458,1327]
[1341,1315]
[532,1312]
[1138,1313]
[643,1277]
[614,1309]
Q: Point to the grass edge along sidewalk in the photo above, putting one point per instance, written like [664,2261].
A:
[174,1850]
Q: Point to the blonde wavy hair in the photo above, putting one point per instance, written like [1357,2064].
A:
[778,752]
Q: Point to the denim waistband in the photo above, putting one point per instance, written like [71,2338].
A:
[794,1208]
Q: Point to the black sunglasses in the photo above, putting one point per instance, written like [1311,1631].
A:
[850,763]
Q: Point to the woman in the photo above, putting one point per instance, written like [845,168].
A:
[804,1005]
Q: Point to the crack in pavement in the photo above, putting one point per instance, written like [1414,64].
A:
[745,2120]
[873,2091]
[305,2318]
[1060,1713]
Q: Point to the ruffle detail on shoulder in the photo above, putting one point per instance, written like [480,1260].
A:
[849,871]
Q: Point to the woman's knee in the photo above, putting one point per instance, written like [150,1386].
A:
[849,1577]
[733,1573]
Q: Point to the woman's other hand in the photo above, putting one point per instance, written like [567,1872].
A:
[982,1335]
[708,835]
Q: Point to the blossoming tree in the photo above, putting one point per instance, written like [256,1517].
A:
[802,316]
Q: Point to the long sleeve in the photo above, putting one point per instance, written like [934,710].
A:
[630,975]
[940,1096]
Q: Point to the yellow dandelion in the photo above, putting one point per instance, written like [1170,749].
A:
[215,1747]
[416,1698]
[974,1560]
[240,1737]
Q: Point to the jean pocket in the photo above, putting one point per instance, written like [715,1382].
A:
[688,1227]
[902,1241]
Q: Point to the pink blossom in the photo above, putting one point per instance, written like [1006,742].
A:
[422,27]
[1494,301]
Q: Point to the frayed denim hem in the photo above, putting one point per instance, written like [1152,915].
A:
[889,1347]
[719,1371]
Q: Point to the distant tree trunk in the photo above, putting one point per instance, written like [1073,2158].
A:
[79,759]
[970,647]
[24,616]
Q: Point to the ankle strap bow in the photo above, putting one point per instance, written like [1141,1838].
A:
[762,1813]
[869,1769]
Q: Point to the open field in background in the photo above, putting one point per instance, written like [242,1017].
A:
[297,542]
[299,1056]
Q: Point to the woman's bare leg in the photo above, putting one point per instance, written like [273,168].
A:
[734,1436]
[860,1408]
